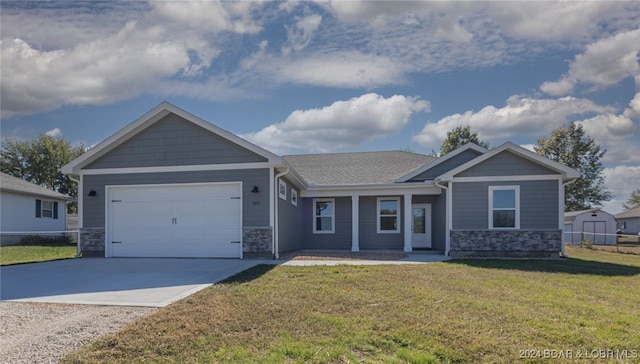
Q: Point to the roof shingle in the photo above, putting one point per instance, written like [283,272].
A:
[13,184]
[356,168]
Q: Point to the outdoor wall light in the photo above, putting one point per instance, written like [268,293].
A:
[255,189]
[92,193]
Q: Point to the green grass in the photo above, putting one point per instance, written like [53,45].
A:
[16,254]
[457,312]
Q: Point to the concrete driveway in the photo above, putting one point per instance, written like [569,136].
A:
[150,282]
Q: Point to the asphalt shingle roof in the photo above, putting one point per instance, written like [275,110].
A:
[629,213]
[12,184]
[356,168]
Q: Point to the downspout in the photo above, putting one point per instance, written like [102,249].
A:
[77,181]
[447,236]
[276,218]
[562,251]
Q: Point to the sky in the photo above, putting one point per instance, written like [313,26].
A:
[331,76]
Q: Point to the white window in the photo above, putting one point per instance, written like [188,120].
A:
[282,189]
[324,216]
[388,215]
[294,197]
[504,207]
[47,209]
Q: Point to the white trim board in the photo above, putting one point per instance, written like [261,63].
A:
[183,168]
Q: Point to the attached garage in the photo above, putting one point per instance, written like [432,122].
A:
[175,220]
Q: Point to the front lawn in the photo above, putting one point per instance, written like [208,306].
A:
[458,311]
[36,252]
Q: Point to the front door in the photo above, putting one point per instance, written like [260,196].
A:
[421,226]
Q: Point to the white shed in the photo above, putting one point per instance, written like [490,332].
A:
[596,226]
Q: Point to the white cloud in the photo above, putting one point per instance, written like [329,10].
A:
[343,124]
[520,117]
[620,181]
[54,132]
[299,35]
[554,20]
[604,63]
[339,69]
[211,16]
[608,127]
[103,71]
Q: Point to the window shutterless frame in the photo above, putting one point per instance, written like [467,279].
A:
[504,207]
[324,216]
[388,215]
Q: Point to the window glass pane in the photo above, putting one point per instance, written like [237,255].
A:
[47,205]
[389,223]
[504,218]
[418,221]
[47,213]
[323,224]
[504,199]
[388,207]
[324,208]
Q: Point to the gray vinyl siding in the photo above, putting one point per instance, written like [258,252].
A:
[290,221]
[538,204]
[174,141]
[505,164]
[447,165]
[368,226]
[341,239]
[255,206]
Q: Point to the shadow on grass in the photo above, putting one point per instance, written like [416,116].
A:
[568,266]
[249,275]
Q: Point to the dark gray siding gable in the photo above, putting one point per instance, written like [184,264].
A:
[506,164]
[538,204]
[255,206]
[447,165]
[174,141]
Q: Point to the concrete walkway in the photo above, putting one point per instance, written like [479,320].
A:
[410,259]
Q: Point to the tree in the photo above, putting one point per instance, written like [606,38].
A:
[39,161]
[572,147]
[633,201]
[458,137]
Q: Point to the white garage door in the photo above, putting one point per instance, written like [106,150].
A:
[192,220]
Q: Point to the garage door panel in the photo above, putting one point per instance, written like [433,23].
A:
[176,221]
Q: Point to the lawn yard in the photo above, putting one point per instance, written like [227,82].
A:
[457,311]
[29,253]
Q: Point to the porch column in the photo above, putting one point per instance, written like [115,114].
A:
[408,221]
[355,223]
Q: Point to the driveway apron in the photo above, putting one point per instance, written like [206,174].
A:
[150,282]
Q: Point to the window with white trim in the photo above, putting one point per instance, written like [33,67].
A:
[324,216]
[282,189]
[388,215]
[294,197]
[504,207]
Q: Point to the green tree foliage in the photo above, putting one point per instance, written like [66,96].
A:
[39,161]
[633,201]
[572,147]
[458,137]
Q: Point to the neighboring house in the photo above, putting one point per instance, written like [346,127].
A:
[629,221]
[591,225]
[173,185]
[27,207]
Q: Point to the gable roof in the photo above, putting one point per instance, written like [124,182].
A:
[440,160]
[16,185]
[148,119]
[570,217]
[629,214]
[361,168]
[566,172]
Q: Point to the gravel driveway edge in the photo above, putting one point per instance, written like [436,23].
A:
[46,332]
